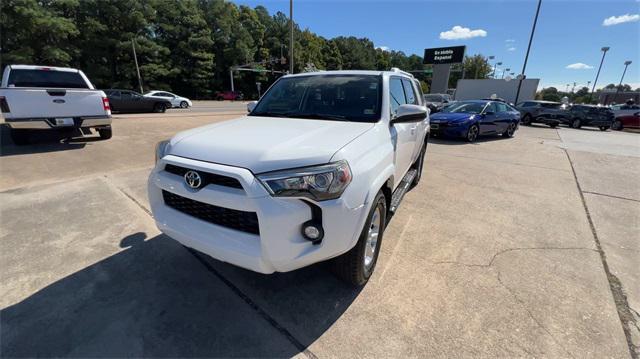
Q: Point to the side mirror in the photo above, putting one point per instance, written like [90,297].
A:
[410,113]
[251,105]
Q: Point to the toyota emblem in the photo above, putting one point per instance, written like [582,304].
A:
[193,179]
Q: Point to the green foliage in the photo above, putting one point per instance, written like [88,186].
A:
[187,46]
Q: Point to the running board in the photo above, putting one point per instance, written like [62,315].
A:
[402,189]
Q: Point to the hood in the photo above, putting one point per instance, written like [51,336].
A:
[450,117]
[263,144]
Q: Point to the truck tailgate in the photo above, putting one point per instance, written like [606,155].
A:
[49,103]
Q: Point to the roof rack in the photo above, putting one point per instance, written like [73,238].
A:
[395,69]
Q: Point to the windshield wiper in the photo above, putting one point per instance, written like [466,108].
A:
[322,116]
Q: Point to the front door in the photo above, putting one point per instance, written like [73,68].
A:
[488,119]
[403,134]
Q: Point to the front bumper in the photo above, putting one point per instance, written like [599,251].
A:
[445,129]
[278,247]
[51,123]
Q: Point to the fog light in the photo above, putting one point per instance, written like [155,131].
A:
[312,231]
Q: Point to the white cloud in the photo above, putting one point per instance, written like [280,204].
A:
[510,40]
[511,48]
[458,32]
[615,20]
[579,66]
[383,48]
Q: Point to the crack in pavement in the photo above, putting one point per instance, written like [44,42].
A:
[510,250]
[617,291]
[611,196]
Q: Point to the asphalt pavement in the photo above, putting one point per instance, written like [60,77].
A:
[523,247]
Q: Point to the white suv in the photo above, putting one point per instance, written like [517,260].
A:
[312,173]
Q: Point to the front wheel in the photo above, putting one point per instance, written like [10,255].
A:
[603,128]
[526,120]
[472,133]
[356,266]
[576,123]
[617,125]
[184,104]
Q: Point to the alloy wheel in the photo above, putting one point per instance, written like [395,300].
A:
[371,244]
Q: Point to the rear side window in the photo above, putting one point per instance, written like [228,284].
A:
[46,78]
[502,107]
[396,94]
[409,92]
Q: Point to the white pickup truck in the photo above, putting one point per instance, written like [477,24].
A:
[313,173]
[45,98]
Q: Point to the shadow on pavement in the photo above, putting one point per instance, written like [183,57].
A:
[155,299]
[443,140]
[44,141]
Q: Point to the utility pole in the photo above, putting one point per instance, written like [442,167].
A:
[626,64]
[135,58]
[526,57]
[604,53]
[291,41]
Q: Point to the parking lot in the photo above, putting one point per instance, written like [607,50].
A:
[523,247]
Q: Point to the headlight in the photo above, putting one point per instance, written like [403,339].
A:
[319,183]
[162,148]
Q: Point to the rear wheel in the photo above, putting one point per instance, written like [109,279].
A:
[472,133]
[553,125]
[510,131]
[357,265]
[20,137]
[576,123]
[105,133]
[184,104]
[603,128]
[617,125]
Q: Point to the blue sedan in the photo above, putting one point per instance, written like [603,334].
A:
[470,119]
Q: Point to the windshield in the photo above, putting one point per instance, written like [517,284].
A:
[46,78]
[433,98]
[329,97]
[465,107]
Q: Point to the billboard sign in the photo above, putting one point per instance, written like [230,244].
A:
[444,55]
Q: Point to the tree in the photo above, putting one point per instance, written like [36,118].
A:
[549,94]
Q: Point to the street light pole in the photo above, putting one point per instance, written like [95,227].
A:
[494,69]
[626,64]
[135,58]
[595,82]
[291,40]
[526,57]
[503,71]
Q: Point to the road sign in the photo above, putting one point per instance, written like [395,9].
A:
[444,55]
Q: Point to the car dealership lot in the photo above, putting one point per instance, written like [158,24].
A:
[495,253]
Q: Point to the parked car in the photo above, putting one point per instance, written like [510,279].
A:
[127,101]
[37,98]
[626,121]
[624,110]
[437,101]
[228,95]
[546,112]
[589,115]
[473,118]
[313,173]
[176,101]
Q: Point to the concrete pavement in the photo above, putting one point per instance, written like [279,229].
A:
[492,255]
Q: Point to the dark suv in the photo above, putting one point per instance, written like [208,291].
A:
[590,115]
[547,112]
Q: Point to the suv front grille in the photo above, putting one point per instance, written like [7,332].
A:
[225,217]
[207,178]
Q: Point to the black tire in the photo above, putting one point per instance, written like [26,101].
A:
[418,165]
[159,107]
[105,133]
[526,120]
[603,128]
[510,131]
[576,123]
[553,125]
[617,125]
[184,104]
[351,266]
[20,137]
[472,133]
[219,98]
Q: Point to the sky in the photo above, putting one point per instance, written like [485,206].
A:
[566,46]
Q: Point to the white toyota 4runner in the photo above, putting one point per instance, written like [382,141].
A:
[312,173]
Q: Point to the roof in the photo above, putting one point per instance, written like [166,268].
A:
[38,67]
[542,101]
[352,72]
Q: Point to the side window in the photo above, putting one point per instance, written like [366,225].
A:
[491,108]
[114,94]
[502,107]
[396,94]
[409,92]
[126,95]
[420,94]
